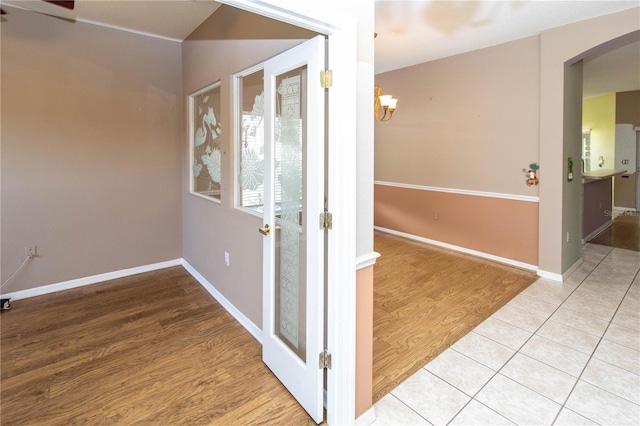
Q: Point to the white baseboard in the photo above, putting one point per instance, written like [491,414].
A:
[617,210]
[572,269]
[460,249]
[366,260]
[597,231]
[94,279]
[367,418]
[239,316]
[550,275]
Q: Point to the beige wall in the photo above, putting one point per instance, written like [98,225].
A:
[91,150]
[572,148]
[468,122]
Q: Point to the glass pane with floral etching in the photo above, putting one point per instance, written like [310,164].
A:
[206,154]
[250,149]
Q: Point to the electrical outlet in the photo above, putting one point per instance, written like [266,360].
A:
[31,251]
[226,258]
[436,216]
[568,237]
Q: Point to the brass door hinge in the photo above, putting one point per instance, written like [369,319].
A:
[326,79]
[325,360]
[326,220]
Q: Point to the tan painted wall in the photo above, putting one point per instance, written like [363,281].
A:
[628,107]
[466,122]
[559,45]
[91,150]
[625,190]
[364,340]
[500,227]
[210,229]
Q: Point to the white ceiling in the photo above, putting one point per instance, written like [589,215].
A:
[172,19]
[412,32]
[409,32]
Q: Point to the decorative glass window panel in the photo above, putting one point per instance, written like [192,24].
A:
[290,116]
[205,152]
[250,140]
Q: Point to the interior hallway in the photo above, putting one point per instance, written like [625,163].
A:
[624,233]
[558,353]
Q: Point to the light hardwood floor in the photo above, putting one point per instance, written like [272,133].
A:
[427,298]
[156,348]
[150,349]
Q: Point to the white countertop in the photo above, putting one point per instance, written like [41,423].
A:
[601,174]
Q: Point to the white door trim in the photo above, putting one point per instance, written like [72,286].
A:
[341,257]
[637,170]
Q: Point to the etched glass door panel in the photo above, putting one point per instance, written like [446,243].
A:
[293,243]
[288,189]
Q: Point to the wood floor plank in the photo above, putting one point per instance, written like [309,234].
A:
[155,348]
[426,299]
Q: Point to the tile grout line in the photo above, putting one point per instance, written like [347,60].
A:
[521,346]
[410,408]
[600,339]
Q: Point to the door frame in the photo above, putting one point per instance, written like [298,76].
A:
[341,189]
[637,170]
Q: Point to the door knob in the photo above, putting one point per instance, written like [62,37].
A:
[266,230]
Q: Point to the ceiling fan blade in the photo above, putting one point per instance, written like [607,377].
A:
[67,4]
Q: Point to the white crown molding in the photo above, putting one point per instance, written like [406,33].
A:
[128,30]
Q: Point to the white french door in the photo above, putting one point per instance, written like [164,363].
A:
[293,265]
